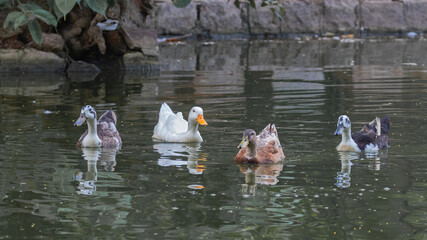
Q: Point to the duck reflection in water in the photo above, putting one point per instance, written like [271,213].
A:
[178,154]
[87,180]
[344,176]
[264,174]
[374,163]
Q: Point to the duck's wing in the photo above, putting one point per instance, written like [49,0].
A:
[109,117]
[368,135]
[269,134]
[364,137]
[169,124]
[382,141]
[385,125]
[176,123]
[107,130]
[269,130]
[269,148]
[165,112]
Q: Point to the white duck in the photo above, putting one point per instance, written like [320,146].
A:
[173,128]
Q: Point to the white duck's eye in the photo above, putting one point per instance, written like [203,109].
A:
[194,110]
[252,133]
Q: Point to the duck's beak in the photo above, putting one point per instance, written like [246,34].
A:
[243,143]
[201,120]
[339,130]
[81,120]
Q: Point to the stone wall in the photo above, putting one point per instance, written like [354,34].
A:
[221,17]
[232,57]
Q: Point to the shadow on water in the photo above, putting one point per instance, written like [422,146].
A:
[157,190]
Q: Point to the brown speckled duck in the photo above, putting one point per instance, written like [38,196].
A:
[264,148]
[372,137]
[101,133]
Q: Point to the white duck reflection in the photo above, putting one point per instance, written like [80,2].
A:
[179,154]
[344,176]
[375,159]
[264,174]
[87,180]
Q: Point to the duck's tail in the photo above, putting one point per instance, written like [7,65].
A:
[165,110]
[164,114]
[385,125]
[108,116]
[269,130]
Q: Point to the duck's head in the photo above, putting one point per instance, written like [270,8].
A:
[249,136]
[343,123]
[196,114]
[87,112]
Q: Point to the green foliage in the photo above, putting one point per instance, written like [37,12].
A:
[181,3]
[9,22]
[45,16]
[279,15]
[30,13]
[35,31]
[63,7]
[99,6]
[111,3]
[252,3]
[6,3]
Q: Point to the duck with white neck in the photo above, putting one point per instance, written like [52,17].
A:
[372,137]
[100,133]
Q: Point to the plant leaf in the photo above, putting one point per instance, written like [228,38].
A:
[19,21]
[181,3]
[64,6]
[277,14]
[45,16]
[9,22]
[35,31]
[111,3]
[58,12]
[98,6]
[51,3]
[237,3]
[252,3]
[29,7]
[6,3]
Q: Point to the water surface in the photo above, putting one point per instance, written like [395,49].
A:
[49,188]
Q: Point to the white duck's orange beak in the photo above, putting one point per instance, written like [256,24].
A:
[201,120]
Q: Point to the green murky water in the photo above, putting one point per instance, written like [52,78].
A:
[48,188]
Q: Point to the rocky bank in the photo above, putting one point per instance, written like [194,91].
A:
[134,44]
[216,18]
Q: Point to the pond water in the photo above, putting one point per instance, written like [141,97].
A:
[49,188]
